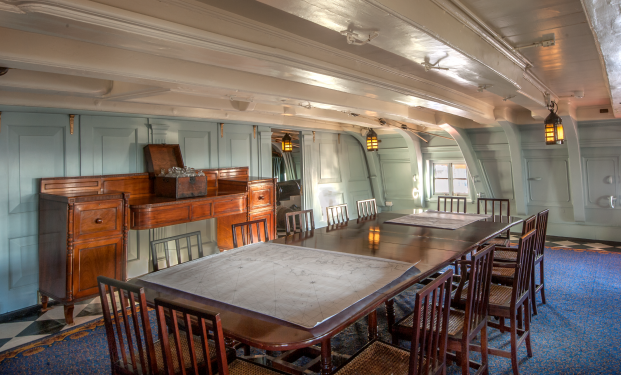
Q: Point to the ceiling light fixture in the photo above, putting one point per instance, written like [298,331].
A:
[555,135]
[372,140]
[286,144]
[357,40]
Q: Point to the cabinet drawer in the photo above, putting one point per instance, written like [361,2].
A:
[261,196]
[269,216]
[232,206]
[98,219]
[92,259]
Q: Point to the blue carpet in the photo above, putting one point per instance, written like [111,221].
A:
[577,332]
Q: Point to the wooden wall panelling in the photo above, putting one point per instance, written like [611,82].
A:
[416,166]
[112,145]
[396,174]
[32,145]
[372,159]
[514,142]
[600,179]
[238,148]
[498,173]
[264,142]
[198,140]
[548,181]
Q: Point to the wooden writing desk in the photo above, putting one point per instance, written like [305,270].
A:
[430,249]
[84,223]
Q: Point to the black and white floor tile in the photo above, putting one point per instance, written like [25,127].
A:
[23,330]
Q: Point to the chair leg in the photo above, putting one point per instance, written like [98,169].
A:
[484,358]
[514,348]
[465,358]
[529,348]
[533,291]
[390,318]
[541,279]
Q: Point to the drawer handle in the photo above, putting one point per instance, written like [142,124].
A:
[261,197]
[98,221]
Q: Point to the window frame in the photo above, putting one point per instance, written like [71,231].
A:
[432,196]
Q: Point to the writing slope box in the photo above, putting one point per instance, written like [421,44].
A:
[180,187]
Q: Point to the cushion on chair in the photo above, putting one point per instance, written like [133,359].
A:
[378,358]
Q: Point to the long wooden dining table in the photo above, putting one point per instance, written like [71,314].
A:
[430,249]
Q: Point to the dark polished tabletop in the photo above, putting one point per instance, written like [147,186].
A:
[430,249]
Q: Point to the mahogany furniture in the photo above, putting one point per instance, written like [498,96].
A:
[341,214]
[304,218]
[431,249]
[496,206]
[84,223]
[466,321]
[366,207]
[429,338]
[177,349]
[247,234]
[453,204]
[540,243]
[513,302]
[509,254]
[160,158]
[188,238]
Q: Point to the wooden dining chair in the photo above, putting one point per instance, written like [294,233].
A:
[304,218]
[128,330]
[366,207]
[509,254]
[540,244]
[500,207]
[466,319]
[337,213]
[198,323]
[428,355]
[248,232]
[513,301]
[452,204]
[188,239]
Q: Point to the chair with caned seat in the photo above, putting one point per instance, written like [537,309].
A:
[542,229]
[428,355]
[188,239]
[467,320]
[132,349]
[452,204]
[500,207]
[303,219]
[248,232]
[198,323]
[337,213]
[509,254]
[366,207]
[513,301]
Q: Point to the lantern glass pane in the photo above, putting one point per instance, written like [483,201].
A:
[560,133]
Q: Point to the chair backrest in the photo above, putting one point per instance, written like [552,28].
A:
[479,281]
[247,232]
[451,204]
[524,265]
[304,218]
[201,317]
[366,207]
[529,224]
[429,339]
[177,239]
[130,349]
[493,206]
[337,213]
[542,229]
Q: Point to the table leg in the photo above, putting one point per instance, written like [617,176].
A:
[372,322]
[390,317]
[326,357]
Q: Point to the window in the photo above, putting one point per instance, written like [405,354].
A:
[450,179]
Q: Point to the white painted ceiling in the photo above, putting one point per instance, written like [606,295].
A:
[286,62]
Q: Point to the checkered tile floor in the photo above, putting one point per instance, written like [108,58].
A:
[23,330]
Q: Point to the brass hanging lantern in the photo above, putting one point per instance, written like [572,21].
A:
[555,135]
[372,140]
[287,146]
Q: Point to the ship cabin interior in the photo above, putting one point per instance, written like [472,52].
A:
[310,187]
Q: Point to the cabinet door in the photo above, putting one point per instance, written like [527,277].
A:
[269,216]
[92,259]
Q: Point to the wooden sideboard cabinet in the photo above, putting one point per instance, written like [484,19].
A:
[81,236]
